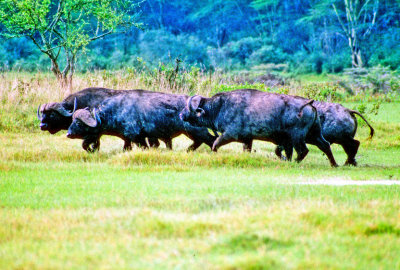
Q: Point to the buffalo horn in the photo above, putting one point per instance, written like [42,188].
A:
[38,113]
[190,104]
[75,102]
[60,108]
[96,116]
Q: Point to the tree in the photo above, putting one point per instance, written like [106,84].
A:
[268,16]
[360,16]
[64,27]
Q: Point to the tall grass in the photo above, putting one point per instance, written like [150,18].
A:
[21,92]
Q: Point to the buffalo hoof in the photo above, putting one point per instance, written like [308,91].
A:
[91,147]
[351,163]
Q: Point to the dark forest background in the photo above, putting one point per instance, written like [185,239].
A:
[291,35]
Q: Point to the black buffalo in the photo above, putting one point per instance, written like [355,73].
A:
[57,116]
[133,115]
[339,125]
[247,114]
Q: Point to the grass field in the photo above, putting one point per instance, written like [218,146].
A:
[61,208]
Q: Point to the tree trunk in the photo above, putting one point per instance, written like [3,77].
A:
[63,79]
[353,12]
[356,58]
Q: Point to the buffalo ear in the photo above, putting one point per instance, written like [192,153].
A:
[86,117]
[194,102]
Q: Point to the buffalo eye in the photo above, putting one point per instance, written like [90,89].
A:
[199,112]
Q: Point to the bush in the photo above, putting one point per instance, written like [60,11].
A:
[267,54]
[330,92]
[377,79]
[242,49]
[336,62]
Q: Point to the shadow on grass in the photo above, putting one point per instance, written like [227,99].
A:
[248,242]
[382,228]
[250,251]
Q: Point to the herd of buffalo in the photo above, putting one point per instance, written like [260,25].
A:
[238,116]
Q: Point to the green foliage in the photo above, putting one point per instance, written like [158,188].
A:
[228,35]
[369,108]
[63,26]
[268,54]
[377,80]
[227,88]
[382,79]
[330,92]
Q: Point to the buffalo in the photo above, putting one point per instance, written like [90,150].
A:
[247,114]
[339,125]
[57,116]
[135,114]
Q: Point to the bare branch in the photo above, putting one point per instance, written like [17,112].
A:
[375,12]
[102,35]
[341,22]
[363,8]
[56,47]
[38,45]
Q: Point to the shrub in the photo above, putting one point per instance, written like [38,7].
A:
[267,54]
[331,92]
[377,79]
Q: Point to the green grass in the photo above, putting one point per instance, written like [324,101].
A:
[61,208]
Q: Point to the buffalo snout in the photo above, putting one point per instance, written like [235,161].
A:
[43,126]
[72,136]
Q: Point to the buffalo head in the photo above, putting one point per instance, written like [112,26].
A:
[193,111]
[54,116]
[84,124]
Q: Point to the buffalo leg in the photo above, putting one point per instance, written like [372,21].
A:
[91,145]
[278,151]
[168,143]
[247,145]
[325,147]
[199,136]
[288,147]
[153,142]
[141,142]
[127,145]
[351,148]
[288,151]
[196,144]
[301,149]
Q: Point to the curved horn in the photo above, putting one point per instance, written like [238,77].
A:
[64,112]
[189,103]
[97,117]
[75,104]
[38,113]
